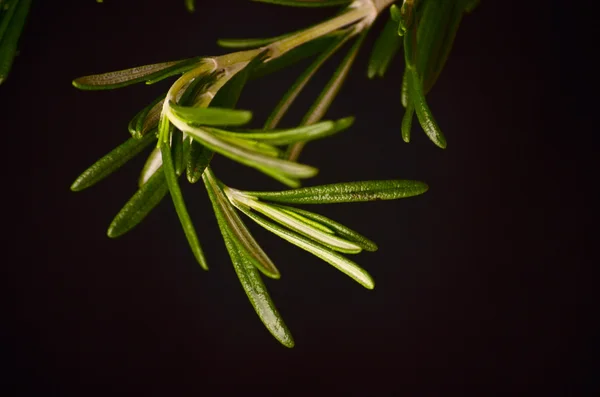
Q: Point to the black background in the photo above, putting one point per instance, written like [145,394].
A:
[480,283]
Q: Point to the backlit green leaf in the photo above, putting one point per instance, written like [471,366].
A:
[146,119]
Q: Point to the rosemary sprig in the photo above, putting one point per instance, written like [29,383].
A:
[197,118]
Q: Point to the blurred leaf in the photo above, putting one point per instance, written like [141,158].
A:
[385,48]
[190,5]
[11,27]
[307,3]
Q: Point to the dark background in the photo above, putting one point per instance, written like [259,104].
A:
[481,284]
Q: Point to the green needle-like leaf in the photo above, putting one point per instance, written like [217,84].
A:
[251,280]
[247,44]
[11,27]
[338,261]
[417,97]
[291,222]
[252,145]
[347,192]
[238,230]
[307,3]
[321,105]
[146,119]
[153,163]
[334,226]
[7,11]
[211,116]
[290,96]
[111,162]
[184,217]
[253,159]
[300,134]
[123,78]
[199,158]
[407,119]
[385,48]
[143,201]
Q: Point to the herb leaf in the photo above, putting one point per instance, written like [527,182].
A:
[338,261]
[250,158]
[251,281]
[123,78]
[211,116]
[184,217]
[346,192]
[237,229]
[338,228]
[286,136]
[146,119]
[294,223]
[385,48]
[143,201]
[111,162]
